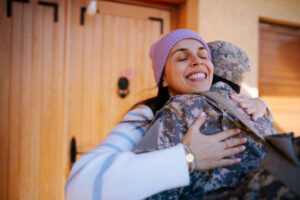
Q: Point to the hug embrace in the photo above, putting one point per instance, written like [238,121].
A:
[197,139]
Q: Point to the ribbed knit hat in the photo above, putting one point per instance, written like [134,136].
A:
[230,62]
[161,49]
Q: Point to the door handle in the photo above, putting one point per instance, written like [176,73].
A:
[73,151]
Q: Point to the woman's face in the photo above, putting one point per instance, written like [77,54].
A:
[188,68]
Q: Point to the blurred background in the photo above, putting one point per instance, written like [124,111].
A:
[70,69]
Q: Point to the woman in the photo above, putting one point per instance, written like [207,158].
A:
[111,171]
[172,121]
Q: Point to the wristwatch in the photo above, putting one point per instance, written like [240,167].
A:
[189,157]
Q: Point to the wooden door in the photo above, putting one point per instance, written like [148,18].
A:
[114,42]
[59,79]
[279,74]
[32,88]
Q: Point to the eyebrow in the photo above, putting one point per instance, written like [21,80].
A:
[184,49]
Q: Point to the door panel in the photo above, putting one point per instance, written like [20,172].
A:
[113,42]
[5,79]
[34,71]
[59,79]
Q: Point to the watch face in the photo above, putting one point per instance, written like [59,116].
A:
[190,158]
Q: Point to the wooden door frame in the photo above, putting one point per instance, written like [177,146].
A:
[278,22]
[181,11]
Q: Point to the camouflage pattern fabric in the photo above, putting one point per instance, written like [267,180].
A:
[261,183]
[258,184]
[172,122]
[230,62]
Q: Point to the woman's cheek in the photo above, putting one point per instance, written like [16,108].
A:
[210,64]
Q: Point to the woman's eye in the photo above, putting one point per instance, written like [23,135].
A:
[203,55]
[182,59]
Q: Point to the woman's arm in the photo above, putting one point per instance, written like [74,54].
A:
[112,171]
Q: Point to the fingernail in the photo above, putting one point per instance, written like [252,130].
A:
[245,139]
[238,130]
[243,147]
[202,114]
[238,160]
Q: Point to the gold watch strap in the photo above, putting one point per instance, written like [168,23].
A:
[190,158]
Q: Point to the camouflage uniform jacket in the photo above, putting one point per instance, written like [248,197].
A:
[172,122]
[276,177]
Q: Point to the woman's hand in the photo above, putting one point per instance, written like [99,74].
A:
[211,150]
[252,106]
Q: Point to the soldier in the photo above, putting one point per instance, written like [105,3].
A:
[172,122]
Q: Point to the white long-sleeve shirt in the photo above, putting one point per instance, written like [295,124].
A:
[112,171]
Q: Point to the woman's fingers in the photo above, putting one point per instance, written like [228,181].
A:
[238,97]
[245,105]
[199,121]
[234,142]
[255,116]
[226,134]
[194,130]
[210,149]
[252,106]
[233,151]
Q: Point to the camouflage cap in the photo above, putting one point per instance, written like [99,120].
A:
[230,62]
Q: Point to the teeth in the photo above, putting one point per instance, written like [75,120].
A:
[198,75]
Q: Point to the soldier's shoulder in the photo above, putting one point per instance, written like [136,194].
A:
[184,103]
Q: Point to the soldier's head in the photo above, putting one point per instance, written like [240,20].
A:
[230,62]
[181,63]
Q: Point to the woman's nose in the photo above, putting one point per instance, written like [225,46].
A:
[196,61]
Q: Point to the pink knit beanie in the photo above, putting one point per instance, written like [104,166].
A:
[160,50]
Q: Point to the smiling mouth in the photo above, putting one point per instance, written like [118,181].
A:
[196,76]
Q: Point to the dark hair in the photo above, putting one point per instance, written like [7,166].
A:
[157,102]
[154,103]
